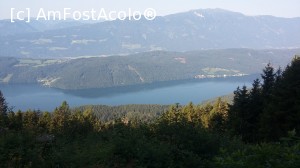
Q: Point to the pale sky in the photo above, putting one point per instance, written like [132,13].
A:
[280,8]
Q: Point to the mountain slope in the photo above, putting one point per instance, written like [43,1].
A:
[193,30]
[17,27]
[142,68]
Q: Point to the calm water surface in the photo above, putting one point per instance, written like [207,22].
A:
[43,98]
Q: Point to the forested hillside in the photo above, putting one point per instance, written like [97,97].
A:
[187,31]
[141,68]
[140,112]
[260,128]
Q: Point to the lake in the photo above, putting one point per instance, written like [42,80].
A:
[44,98]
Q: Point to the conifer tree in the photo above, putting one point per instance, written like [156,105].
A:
[268,77]
[188,111]
[254,111]
[282,111]
[237,114]
[30,120]
[218,116]
[60,118]
[3,111]
[45,121]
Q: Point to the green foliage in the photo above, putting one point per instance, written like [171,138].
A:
[141,112]
[151,136]
[261,156]
[283,107]
[270,109]
[141,68]
[219,116]
[268,77]
[61,117]
[3,111]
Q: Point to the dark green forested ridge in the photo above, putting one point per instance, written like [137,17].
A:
[260,128]
[140,68]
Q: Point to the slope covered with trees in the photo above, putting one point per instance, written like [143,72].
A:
[141,68]
[259,129]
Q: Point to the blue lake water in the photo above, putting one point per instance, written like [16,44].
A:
[44,98]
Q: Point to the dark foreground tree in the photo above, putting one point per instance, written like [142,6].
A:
[282,111]
[3,111]
[238,111]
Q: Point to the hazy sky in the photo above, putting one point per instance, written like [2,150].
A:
[281,8]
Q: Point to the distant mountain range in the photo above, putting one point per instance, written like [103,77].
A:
[34,26]
[142,68]
[193,30]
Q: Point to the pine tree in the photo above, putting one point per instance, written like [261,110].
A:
[60,118]
[3,111]
[268,77]
[237,114]
[19,120]
[255,108]
[45,121]
[30,120]
[218,116]
[282,111]
[188,111]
